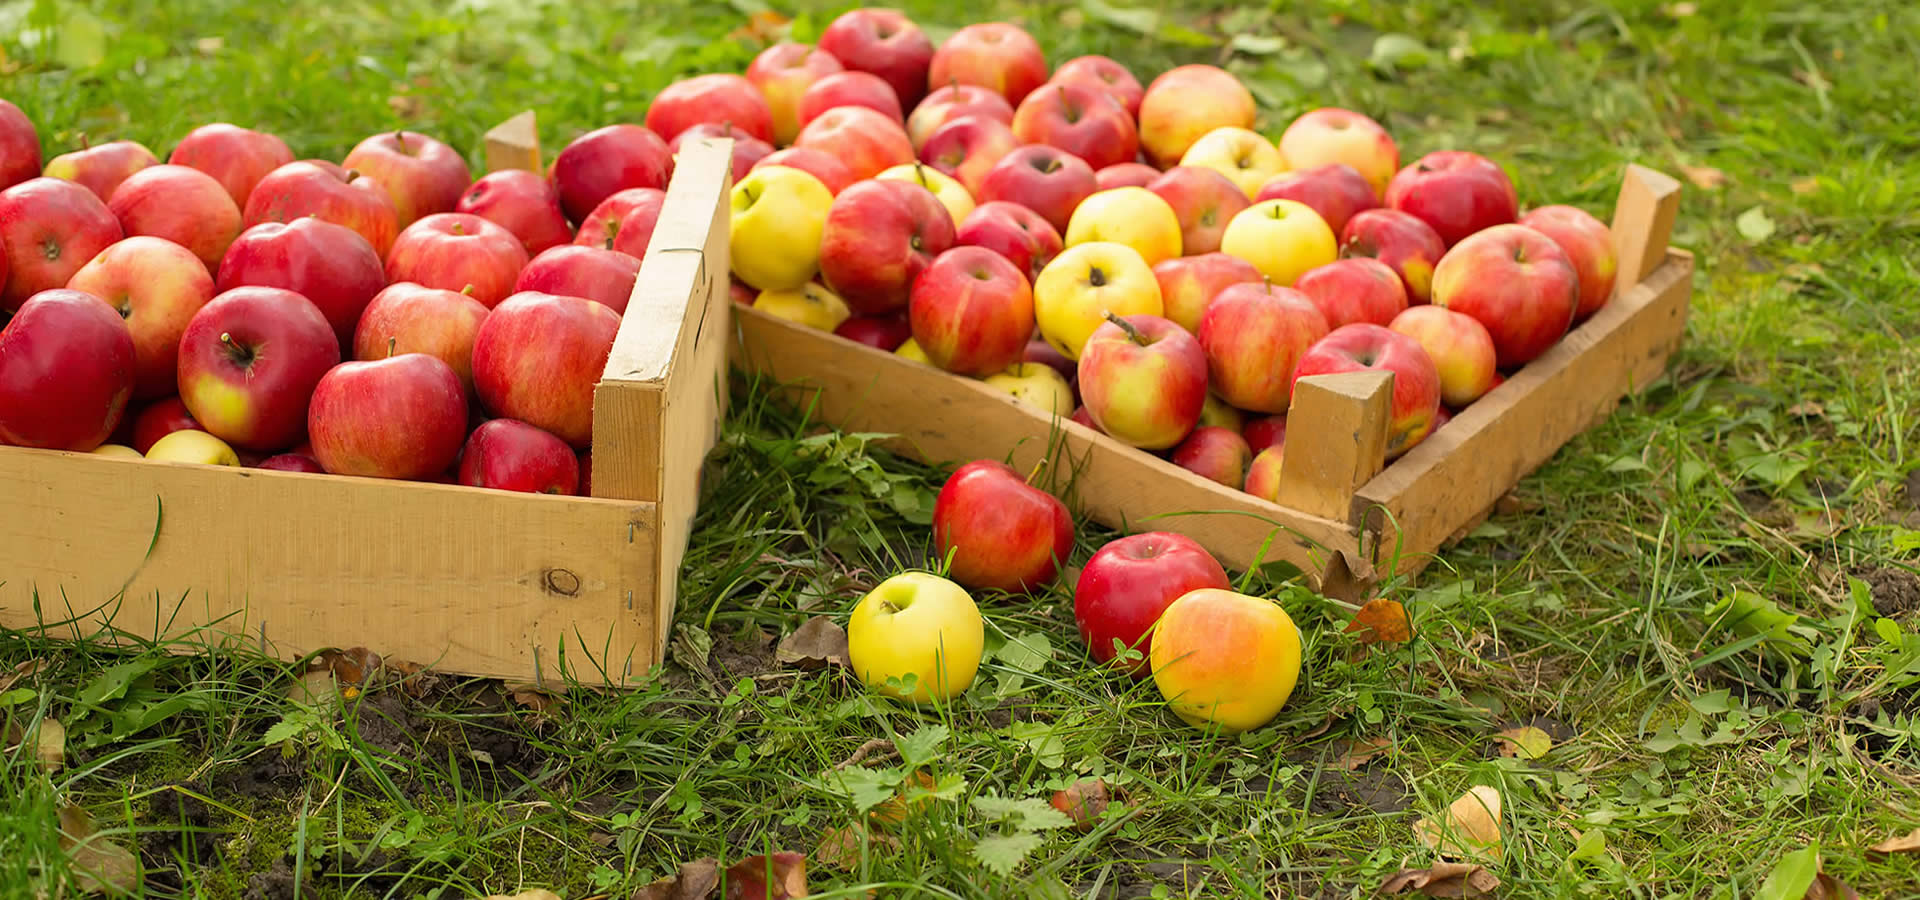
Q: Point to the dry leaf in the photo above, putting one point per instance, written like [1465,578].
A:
[816,643]
[50,740]
[894,810]
[1443,879]
[1470,827]
[1359,753]
[210,46]
[25,669]
[335,673]
[696,880]
[765,26]
[100,866]
[840,847]
[1805,185]
[404,106]
[780,876]
[1827,887]
[1896,844]
[1083,801]
[1807,409]
[1382,621]
[1524,743]
[1705,178]
[415,679]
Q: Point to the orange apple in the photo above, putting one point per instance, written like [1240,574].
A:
[1133,216]
[1461,349]
[1185,103]
[1331,135]
[1224,660]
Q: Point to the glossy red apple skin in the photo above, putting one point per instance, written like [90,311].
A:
[1203,201]
[849,89]
[948,102]
[972,311]
[1080,119]
[236,157]
[1416,381]
[1356,289]
[602,162]
[521,202]
[332,266]
[886,43]
[452,251]
[19,146]
[410,318]
[159,419]
[1016,232]
[101,167]
[1108,75]
[402,416]
[249,361]
[783,72]
[1263,475]
[537,358]
[292,462]
[879,236]
[1126,174]
[820,164]
[1045,179]
[1456,192]
[183,205]
[623,221]
[747,149]
[1264,432]
[1215,453]
[713,97]
[155,286]
[321,189]
[1406,244]
[865,140]
[1128,583]
[49,228]
[1336,191]
[967,148]
[422,174]
[66,372]
[510,455]
[1188,284]
[999,56]
[1515,281]
[880,332]
[1003,533]
[603,276]
[1254,336]
[1589,246]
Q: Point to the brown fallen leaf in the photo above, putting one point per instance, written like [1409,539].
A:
[1469,828]
[1705,178]
[1083,801]
[50,744]
[817,643]
[1897,844]
[25,669]
[1805,185]
[532,697]
[1827,887]
[415,679]
[777,876]
[535,894]
[894,810]
[1360,752]
[100,865]
[762,27]
[1443,879]
[840,847]
[696,880]
[1524,743]
[335,674]
[1381,621]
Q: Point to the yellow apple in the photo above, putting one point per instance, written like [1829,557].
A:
[1225,660]
[812,305]
[1218,412]
[1133,216]
[911,350]
[1038,384]
[193,446]
[779,213]
[921,625]
[1241,154]
[1079,287]
[117,451]
[948,190]
[1282,238]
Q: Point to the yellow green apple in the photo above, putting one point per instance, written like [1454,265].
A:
[1224,660]
[118,451]
[1282,238]
[778,215]
[947,189]
[911,350]
[192,446]
[1247,159]
[1133,216]
[1076,291]
[1037,384]
[917,627]
[811,305]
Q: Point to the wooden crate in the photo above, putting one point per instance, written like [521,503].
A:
[1344,518]
[466,580]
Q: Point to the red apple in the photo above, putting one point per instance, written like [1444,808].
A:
[1204,201]
[623,220]
[1416,382]
[101,168]
[330,265]
[747,149]
[49,228]
[820,164]
[865,140]
[1407,245]
[401,416]
[1263,475]
[454,251]
[159,419]
[1589,246]
[1254,335]
[1455,191]
[607,160]
[783,72]
[1047,180]
[1039,351]
[183,205]
[292,462]
[586,472]
[886,43]
[1189,283]
[1517,282]
[1002,533]
[66,372]
[422,175]
[742,293]
[1083,417]
[1013,231]
[972,311]
[1144,380]
[156,286]
[881,332]
[1128,583]
[603,276]
[1460,347]
[20,146]
[849,89]
[715,97]
[321,189]
[1356,289]
[1080,119]
[521,202]
[1336,191]
[1106,74]
[1126,174]
[249,361]
[236,157]
[1215,453]
[998,56]
[510,455]
[537,358]
[967,148]
[1334,136]
[1264,432]
[949,102]
[878,237]
[410,318]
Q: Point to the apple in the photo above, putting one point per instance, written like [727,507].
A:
[997,531]
[1144,380]
[1035,384]
[822,165]
[951,193]
[885,333]
[1080,119]
[1263,475]
[521,202]
[879,236]
[422,175]
[291,462]
[810,305]
[586,472]
[458,251]
[865,140]
[996,55]
[101,168]
[850,89]
[1080,287]
[740,292]
[159,419]
[1133,216]
[1204,201]
[971,311]
[1216,413]
[197,447]
[714,97]
[1013,231]
[1039,351]
[1461,349]
[968,148]
[116,451]
[886,43]
[949,102]
[1047,180]
[1416,381]
[183,205]
[616,220]
[783,72]
[604,161]
[1284,239]
[20,146]
[1357,289]
[537,357]
[1589,246]
[1085,419]
[1215,453]
[325,191]
[916,637]
[779,217]
[510,455]
[1128,583]
[1241,154]
[330,265]
[49,228]
[1407,245]
[1253,336]
[1126,174]
[1106,74]
[1457,192]
[236,157]
[1336,191]
[156,286]
[1186,102]
[1189,283]
[411,318]
[747,149]
[1334,136]
[402,416]
[603,276]
[249,361]
[66,372]
[1517,282]
[1225,661]
[1264,432]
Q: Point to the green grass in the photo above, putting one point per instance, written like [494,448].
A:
[1771,465]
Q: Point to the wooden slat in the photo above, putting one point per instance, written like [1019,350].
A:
[514,144]
[1642,224]
[1336,440]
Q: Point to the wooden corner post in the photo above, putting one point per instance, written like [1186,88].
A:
[1642,224]
[1336,440]
[514,144]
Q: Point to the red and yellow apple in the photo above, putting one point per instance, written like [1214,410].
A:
[183,205]
[20,146]
[1407,245]
[236,157]
[249,361]
[1263,474]
[1080,119]
[410,318]
[1589,246]
[999,56]
[1517,282]
[101,167]
[1460,347]
[605,161]
[156,286]
[713,97]
[1106,74]
[1186,102]
[1334,136]
[1128,584]
[322,190]
[1189,283]
[400,416]
[783,72]
[1457,192]
[1045,179]
[820,164]
[878,237]
[1144,380]
[1013,231]
[996,531]
[1225,661]
[537,357]
[1215,453]
[1416,381]
[331,266]
[967,148]
[422,175]
[458,252]
[571,270]
[1205,202]
[49,228]
[972,311]
[886,43]
[1080,287]
[1253,335]
[521,202]
[950,192]
[837,89]
[1356,289]
[1133,216]
[949,102]
[866,141]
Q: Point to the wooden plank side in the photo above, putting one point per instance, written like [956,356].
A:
[1337,440]
[465,580]
[514,144]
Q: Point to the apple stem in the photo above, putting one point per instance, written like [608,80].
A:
[467,291]
[392,344]
[1035,472]
[351,175]
[85,142]
[1133,334]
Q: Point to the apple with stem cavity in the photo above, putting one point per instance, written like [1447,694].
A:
[810,304]
[1263,474]
[400,416]
[66,372]
[1204,201]
[1407,245]
[1083,285]
[1189,283]
[521,202]
[1461,349]
[184,206]
[1080,119]
[949,102]
[878,237]
[1457,192]
[249,361]
[571,270]
[537,357]
[1334,136]
[623,211]
[850,89]
[20,145]
[822,165]
[1254,335]
[1125,587]
[49,228]
[949,191]
[101,167]
[967,148]
[1045,179]
[916,637]
[1336,191]
[1356,289]
[885,333]
[971,311]
[865,140]
[458,252]
[1013,231]
[1589,246]
[886,43]
[996,55]
[510,455]
[1133,216]
[411,318]
[1264,432]
[322,190]
[1284,239]
[1217,413]
[1106,74]
[1225,661]
[156,286]
[1517,282]
[159,419]
[422,175]
[998,531]
[1241,154]
[1186,102]
[1416,381]
[720,97]
[779,217]
[1126,174]
[236,157]
[1144,380]
[605,161]
[1035,384]
[331,266]
[783,72]
[747,149]
[1215,453]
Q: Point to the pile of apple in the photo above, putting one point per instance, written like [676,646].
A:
[385,316]
[1138,259]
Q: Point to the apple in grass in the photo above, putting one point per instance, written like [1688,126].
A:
[1083,285]
[884,333]
[401,416]
[322,190]
[850,89]
[950,192]
[185,206]
[971,311]
[49,228]
[879,236]
[1186,102]
[997,531]
[66,372]
[1355,290]
[521,202]
[1284,239]
[999,56]
[1189,283]
[603,276]
[1253,336]
[951,101]
[1241,154]
[1588,243]
[1106,74]
[159,419]
[1215,453]
[20,145]
[1045,179]
[236,157]
[605,161]
[783,72]
[1013,231]
[156,286]
[1334,136]
[330,265]
[1263,474]
[623,211]
[866,141]
[1036,384]
[1204,201]
[1406,244]
[1126,174]
[747,149]
[1336,191]
[410,318]
[537,357]
[779,217]
[1082,120]
[822,165]
[1461,349]
[886,43]
[1225,661]
[422,175]
[1517,282]
[968,148]
[249,361]
[714,97]
[1125,587]
[810,304]
[458,251]
[1457,192]
[1133,216]
[1264,432]
[510,455]
[101,168]
[1144,380]
[916,637]
[1416,381]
